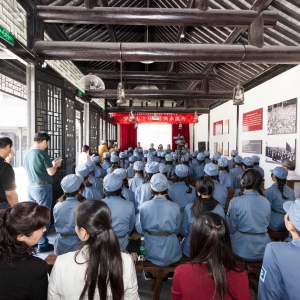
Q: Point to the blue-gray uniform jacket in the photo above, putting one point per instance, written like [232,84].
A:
[66,238]
[279,276]
[198,171]
[92,193]
[106,164]
[122,218]
[170,172]
[230,163]
[261,170]
[160,215]
[220,193]
[97,183]
[248,219]
[178,194]
[123,164]
[188,219]
[142,194]
[100,171]
[129,172]
[235,172]
[128,194]
[207,160]
[226,179]
[135,182]
[277,214]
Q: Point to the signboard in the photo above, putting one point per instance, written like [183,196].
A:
[123,118]
[252,120]
[218,128]
[252,146]
[5,35]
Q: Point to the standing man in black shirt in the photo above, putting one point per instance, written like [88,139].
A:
[8,194]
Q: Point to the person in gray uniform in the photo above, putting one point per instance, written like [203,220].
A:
[256,166]
[279,276]
[106,161]
[181,192]
[89,192]
[224,176]
[164,170]
[278,193]
[248,218]
[99,172]
[126,192]
[220,192]
[151,149]
[138,179]
[66,239]
[122,160]
[236,170]
[169,165]
[233,154]
[96,182]
[198,169]
[204,203]
[129,170]
[122,212]
[143,192]
[216,157]
[247,163]
[159,220]
[114,160]
[207,159]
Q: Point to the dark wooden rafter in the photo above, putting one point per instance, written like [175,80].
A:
[90,4]
[150,75]
[152,109]
[161,95]
[160,52]
[153,16]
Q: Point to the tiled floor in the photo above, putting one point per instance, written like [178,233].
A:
[144,286]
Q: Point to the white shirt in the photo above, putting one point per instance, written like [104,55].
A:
[67,277]
[83,158]
[292,175]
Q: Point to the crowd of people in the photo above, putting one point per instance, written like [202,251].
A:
[117,192]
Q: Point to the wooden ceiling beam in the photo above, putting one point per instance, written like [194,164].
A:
[153,16]
[153,109]
[150,75]
[161,95]
[166,52]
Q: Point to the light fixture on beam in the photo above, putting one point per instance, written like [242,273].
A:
[120,89]
[238,91]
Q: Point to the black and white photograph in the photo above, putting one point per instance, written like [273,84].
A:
[282,117]
[279,150]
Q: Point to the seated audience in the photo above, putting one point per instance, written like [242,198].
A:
[22,275]
[129,170]
[233,154]
[280,269]
[198,169]
[63,212]
[122,211]
[138,179]
[224,176]
[93,179]
[98,270]
[256,166]
[212,272]
[236,170]
[99,172]
[248,218]
[159,220]
[204,203]
[126,192]
[278,194]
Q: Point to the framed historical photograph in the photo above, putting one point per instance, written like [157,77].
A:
[226,127]
[218,128]
[215,146]
[279,150]
[226,149]
[252,146]
[220,147]
[282,117]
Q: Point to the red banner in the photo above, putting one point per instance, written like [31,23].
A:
[252,120]
[123,118]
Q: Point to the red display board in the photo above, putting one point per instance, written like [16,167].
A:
[218,127]
[252,120]
[123,118]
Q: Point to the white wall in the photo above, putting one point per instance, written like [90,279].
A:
[283,87]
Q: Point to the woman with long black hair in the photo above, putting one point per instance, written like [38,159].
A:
[22,275]
[204,203]
[278,194]
[212,272]
[98,270]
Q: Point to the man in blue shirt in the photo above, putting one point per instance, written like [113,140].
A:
[279,277]
[40,169]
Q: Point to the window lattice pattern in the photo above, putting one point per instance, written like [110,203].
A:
[13,19]
[49,116]
[70,129]
[93,131]
[13,87]
[66,69]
